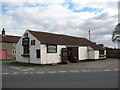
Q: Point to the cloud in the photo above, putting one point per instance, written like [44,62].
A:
[59,17]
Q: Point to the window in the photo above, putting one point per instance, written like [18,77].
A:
[25,41]
[25,50]
[51,48]
[38,53]
[25,44]
[32,42]
[13,51]
[101,52]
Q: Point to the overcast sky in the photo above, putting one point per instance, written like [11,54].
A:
[70,17]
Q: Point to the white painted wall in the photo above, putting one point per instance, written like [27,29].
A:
[43,54]
[105,53]
[51,58]
[83,53]
[94,54]
[33,49]
[19,50]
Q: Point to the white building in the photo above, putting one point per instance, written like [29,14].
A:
[47,48]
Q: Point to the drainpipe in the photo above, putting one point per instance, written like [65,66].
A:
[88,51]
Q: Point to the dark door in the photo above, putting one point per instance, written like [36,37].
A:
[72,53]
[75,52]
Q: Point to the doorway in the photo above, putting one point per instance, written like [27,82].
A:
[72,54]
[64,55]
[4,54]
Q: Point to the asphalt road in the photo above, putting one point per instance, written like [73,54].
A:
[108,79]
[93,74]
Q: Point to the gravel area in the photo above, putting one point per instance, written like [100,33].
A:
[106,63]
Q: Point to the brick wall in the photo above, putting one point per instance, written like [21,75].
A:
[9,47]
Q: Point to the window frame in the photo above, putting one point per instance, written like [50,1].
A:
[13,51]
[51,45]
[38,55]
[32,42]
[24,44]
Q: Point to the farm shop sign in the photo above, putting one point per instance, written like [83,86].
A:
[51,48]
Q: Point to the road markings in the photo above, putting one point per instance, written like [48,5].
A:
[5,73]
[51,71]
[94,70]
[40,72]
[107,70]
[15,73]
[25,72]
[84,70]
[31,72]
[22,68]
[74,71]
[88,70]
[62,71]
[115,69]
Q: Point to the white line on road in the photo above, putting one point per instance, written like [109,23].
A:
[62,71]
[84,70]
[95,70]
[74,71]
[39,72]
[15,73]
[51,71]
[22,68]
[107,70]
[115,69]
[25,72]
[31,72]
[5,73]
[88,70]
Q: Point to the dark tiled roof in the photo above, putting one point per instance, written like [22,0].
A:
[50,38]
[9,38]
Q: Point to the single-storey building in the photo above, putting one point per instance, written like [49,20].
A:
[48,48]
[8,46]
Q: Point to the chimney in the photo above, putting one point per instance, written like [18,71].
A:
[3,32]
[89,34]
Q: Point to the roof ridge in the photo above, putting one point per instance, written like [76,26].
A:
[12,36]
[56,34]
